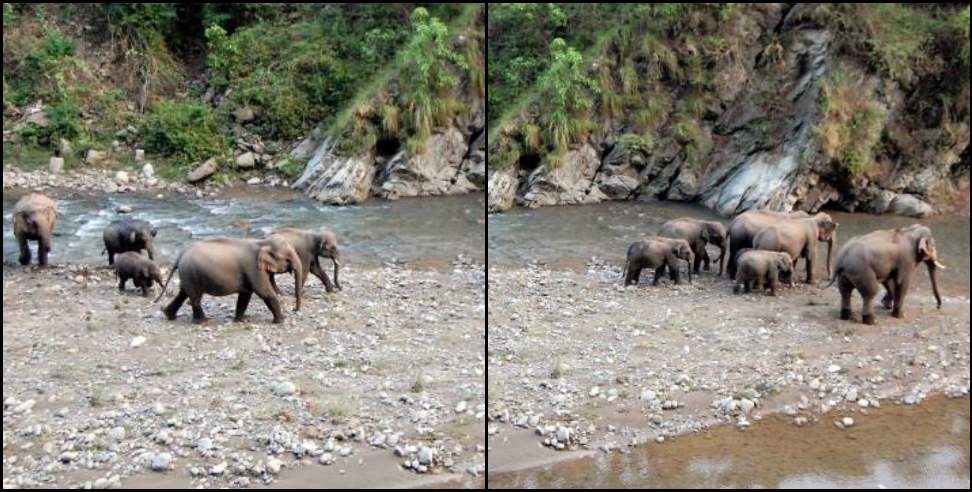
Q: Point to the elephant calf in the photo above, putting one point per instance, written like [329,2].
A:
[128,235]
[658,253]
[141,270]
[885,258]
[220,267]
[34,217]
[758,270]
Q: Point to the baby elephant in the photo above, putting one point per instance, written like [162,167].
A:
[760,269]
[657,253]
[141,270]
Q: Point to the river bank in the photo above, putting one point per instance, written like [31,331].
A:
[100,388]
[580,363]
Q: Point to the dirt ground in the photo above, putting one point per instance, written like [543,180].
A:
[580,363]
[99,389]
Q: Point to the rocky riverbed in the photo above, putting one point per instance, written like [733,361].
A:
[579,363]
[380,384]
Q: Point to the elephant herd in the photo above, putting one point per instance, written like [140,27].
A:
[217,267]
[764,247]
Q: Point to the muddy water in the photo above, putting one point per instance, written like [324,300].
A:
[425,229]
[573,235]
[916,447]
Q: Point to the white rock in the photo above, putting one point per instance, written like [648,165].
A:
[246,160]
[161,461]
[218,469]
[461,407]
[851,394]
[121,178]
[148,171]
[595,391]
[274,465]
[425,455]
[137,342]
[285,388]
[55,165]
[254,181]
[139,155]
[326,459]
[563,434]
[117,433]
[847,422]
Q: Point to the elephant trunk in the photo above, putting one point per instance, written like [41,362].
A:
[722,253]
[337,267]
[933,275]
[830,251]
[691,263]
[166,284]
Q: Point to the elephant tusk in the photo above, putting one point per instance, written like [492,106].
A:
[939,265]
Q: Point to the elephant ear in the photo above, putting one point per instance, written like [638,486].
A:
[924,249]
[266,261]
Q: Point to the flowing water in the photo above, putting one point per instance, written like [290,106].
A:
[925,446]
[573,235]
[426,229]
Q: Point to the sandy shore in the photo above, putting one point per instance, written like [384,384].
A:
[99,389]
[580,363]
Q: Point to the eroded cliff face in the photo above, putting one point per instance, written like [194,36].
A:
[760,142]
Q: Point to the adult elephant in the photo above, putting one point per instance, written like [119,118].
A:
[221,267]
[746,225]
[34,217]
[311,246]
[698,233]
[886,258]
[122,236]
[657,253]
[798,238]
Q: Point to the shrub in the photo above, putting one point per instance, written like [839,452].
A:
[851,123]
[185,131]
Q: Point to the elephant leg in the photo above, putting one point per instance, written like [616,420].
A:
[749,286]
[242,301]
[173,307]
[737,288]
[145,287]
[771,281]
[900,291]
[121,282]
[198,315]
[316,269]
[869,289]
[846,289]
[696,265]
[274,305]
[43,247]
[111,257]
[24,250]
[888,299]
[811,258]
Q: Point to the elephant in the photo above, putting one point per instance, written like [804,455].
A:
[698,233]
[221,267]
[129,235]
[799,237]
[760,269]
[311,245]
[744,227]
[34,218]
[141,270]
[885,257]
[657,253]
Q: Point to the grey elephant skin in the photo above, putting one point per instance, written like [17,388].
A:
[885,258]
[798,238]
[34,218]
[311,246]
[658,253]
[220,267]
[699,234]
[746,225]
[762,269]
[140,270]
[122,236]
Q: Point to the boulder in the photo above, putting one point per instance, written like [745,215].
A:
[912,206]
[335,179]
[97,157]
[203,171]
[139,155]
[55,165]
[568,183]
[501,190]
[64,145]
[244,114]
[246,160]
[432,172]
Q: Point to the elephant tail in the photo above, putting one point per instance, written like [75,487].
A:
[624,269]
[175,266]
[836,276]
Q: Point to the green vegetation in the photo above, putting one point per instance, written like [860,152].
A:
[178,72]
[851,124]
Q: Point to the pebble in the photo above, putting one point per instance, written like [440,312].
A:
[218,469]
[123,209]
[594,391]
[161,461]
[117,433]
[851,395]
[203,445]
[285,388]
[847,422]
[24,407]
[425,455]
[274,465]
[461,407]
[137,342]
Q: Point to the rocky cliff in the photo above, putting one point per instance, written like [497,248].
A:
[789,117]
